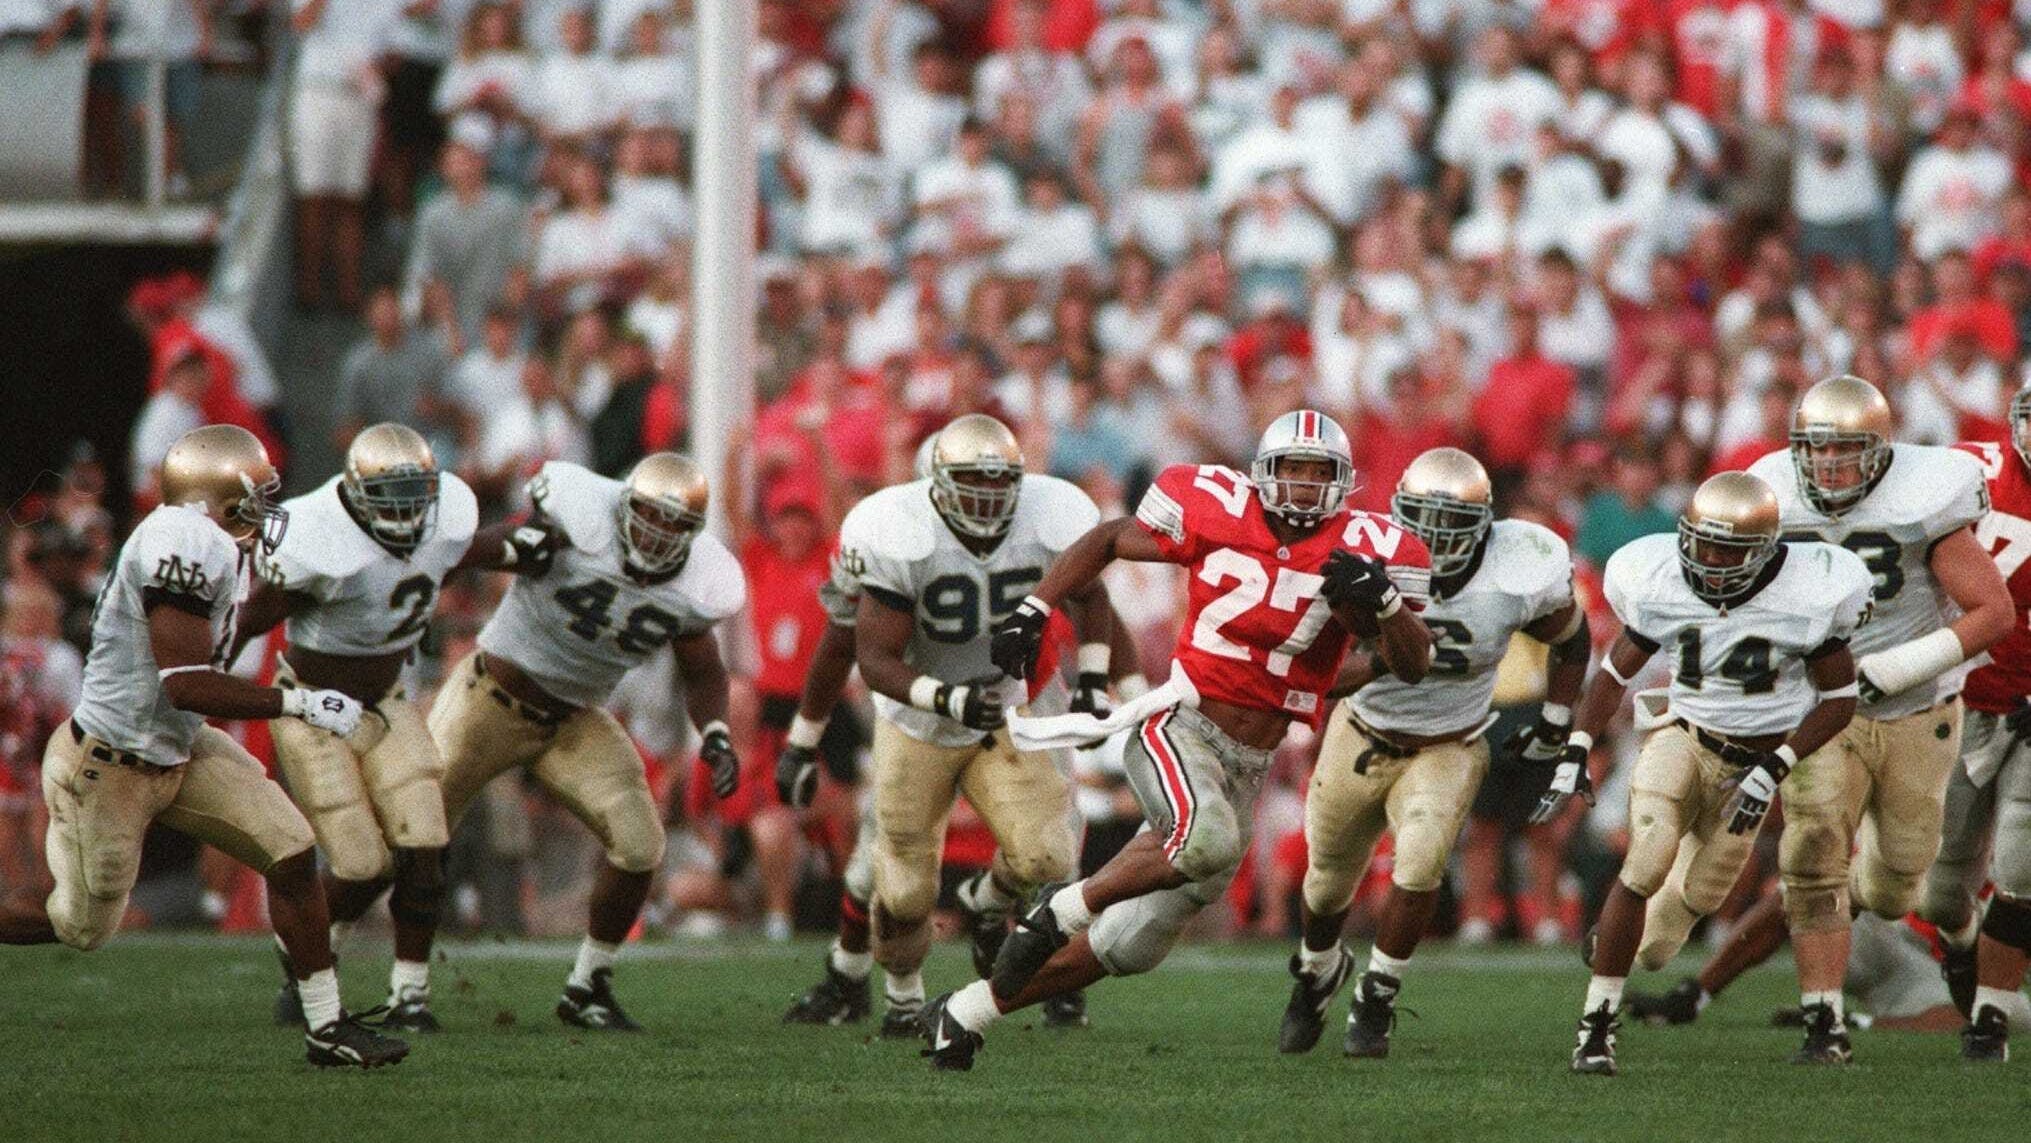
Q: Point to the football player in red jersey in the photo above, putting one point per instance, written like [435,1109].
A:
[1283,576]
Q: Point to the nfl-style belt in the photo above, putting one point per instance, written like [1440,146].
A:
[1731,751]
[1390,745]
[101,751]
[528,711]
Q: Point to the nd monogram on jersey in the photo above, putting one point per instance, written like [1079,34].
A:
[2005,531]
[177,557]
[369,600]
[1256,632]
[580,627]
[1525,574]
[1927,494]
[895,547]
[1740,671]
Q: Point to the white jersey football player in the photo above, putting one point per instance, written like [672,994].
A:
[1757,630]
[357,576]
[1907,511]
[936,564]
[1409,757]
[632,571]
[137,750]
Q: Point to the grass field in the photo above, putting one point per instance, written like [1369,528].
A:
[161,1038]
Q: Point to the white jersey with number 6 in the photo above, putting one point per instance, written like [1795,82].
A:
[895,547]
[1926,495]
[1525,573]
[1740,670]
[585,623]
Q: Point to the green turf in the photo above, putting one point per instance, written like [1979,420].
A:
[160,1039]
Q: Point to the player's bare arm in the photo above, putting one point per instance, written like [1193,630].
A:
[267,605]
[705,687]
[1603,698]
[824,682]
[183,649]
[884,632]
[1833,676]
[1403,644]
[1572,645]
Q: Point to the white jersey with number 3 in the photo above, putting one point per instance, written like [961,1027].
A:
[177,557]
[1926,495]
[1740,670]
[895,547]
[368,600]
[1525,574]
[581,626]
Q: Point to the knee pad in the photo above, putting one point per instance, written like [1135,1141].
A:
[1031,867]
[2009,922]
[1668,919]
[634,838]
[1213,846]
[1330,891]
[82,921]
[1885,892]
[859,875]
[418,888]
[358,856]
[907,888]
[1654,836]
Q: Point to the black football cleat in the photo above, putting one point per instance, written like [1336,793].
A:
[1024,953]
[1594,1055]
[836,999]
[595,1008]
[902,1019]
[1681,1005]
[1372,1017]
[948,1044]
[1987,1039]
[1826,1037]
[1066,1011]
[410,1012]
[1958,967]
[986,928]
[288,1001]
[1304,1018]
[349,1042]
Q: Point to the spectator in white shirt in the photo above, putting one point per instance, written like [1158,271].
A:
[966,203]
[1278,144]
[534,427]
[1053,235]
[1039,384]
[1574,326]
[172,411]
[492,75]
[1228,95]
[1957,395]
[1648,136]
[576,93]
[584,246]
[1118,127]
[1361,137]
[1836,189]
[1924,59]
[1127,326]
[1583,108]
[1953,191]
[1054,82]
[1493,119]
[850,190]
[652,82]
[653,205]
[1166,215]
[332,127]
[1171,41]
[919,107]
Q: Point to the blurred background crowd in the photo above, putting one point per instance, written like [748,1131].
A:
[1603,244]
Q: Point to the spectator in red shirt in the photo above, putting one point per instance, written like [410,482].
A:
[159,307]
[1521,410]
[2011,245]
[1956,302]
[1422,413]
[1272,333]
[826,403]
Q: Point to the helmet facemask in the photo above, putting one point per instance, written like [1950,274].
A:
[1286,496]
[656,534]
[2020,424]
[1720,566]
[1835,481]
[1452,529]
[266,520]
[400,506]
[977,498]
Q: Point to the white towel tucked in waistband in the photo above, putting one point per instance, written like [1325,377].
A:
[1053,732]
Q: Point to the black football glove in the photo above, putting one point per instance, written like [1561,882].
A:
[1538,744]
[534,548]
[2018,721]
[1755,789]
[972,705]
[717,751]
[1569,779]
[797,776]
[1358,582]
[1868,693]
[1089,695]
[1019,638]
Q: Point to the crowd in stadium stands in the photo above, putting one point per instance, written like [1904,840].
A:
[1603,244]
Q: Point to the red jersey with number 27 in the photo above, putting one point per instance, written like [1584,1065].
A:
[2006,533]
[1257,634]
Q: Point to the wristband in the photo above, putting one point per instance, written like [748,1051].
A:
[1094,658]
[1032,603]
[1608,665]
[805,732]
[1581,739]
[295,701]
[1786,755]
[1556,713]
[188,669]
[1852,690]
[1394,605]
[716,726]
[924,693]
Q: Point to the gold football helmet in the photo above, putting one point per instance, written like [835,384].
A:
[2020,423]
[224,472]
[390,481]
[1445,499]
[976,475]
[662,507]
[1840,442]
[1727,535]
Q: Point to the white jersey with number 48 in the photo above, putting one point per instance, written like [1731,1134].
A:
[1740,670]
[1525,574]
[577,629]
[895,547]
[1924,496]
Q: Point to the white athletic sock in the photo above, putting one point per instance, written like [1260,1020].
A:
[851,965]
[341,931]
[1382,962]
[973,1006]
[409,978]
[983,894]
[1832,999]
[320,999]
[1069,904]
[592,956]
[1964,937]
[904,988]
[1322,963]
[1604,990]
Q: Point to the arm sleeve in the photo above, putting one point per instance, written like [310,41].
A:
[1855,584]
[1617,584]
[868,561]
[1410,569]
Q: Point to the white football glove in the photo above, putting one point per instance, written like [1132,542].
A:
[335,711]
